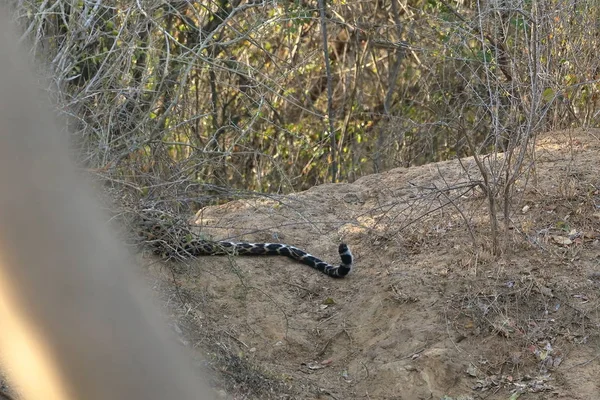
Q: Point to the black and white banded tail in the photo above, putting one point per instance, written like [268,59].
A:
[205,247]
[279,249]
[173,239]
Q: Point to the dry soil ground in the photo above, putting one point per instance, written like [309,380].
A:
[428,313]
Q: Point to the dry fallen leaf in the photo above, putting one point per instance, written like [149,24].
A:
[562,240]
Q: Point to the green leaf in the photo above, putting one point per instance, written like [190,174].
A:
[548,94]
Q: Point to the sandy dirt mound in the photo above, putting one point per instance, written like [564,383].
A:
[428,312]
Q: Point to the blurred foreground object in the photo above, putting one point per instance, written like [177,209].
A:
[76,323]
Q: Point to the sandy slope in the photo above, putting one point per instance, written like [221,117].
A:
[428,311]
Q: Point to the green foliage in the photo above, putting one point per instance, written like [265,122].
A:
[237,97]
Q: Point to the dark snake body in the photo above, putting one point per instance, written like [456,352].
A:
[203,247]
[174,240]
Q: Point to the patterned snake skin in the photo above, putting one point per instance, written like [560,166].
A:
[174,239]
